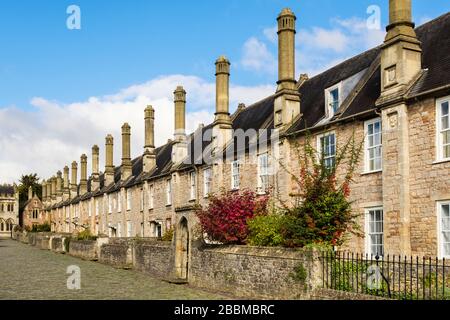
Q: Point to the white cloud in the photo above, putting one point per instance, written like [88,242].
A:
[257,57]
[317,48]
[54,134]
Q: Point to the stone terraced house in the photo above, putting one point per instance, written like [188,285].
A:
[395,96]
[9,210]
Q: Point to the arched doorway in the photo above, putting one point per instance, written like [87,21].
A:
[182,250]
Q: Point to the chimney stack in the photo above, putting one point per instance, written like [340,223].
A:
[401,55]
[54,189]
[179,149]
[44,191]
[223,92]
[30,193]
[109,159]
[59,186]
[66,189]
[149,148]
[95,181]
[83,177]
[126,152]
[180,113]
[49,191]
[287,99]
[74,180]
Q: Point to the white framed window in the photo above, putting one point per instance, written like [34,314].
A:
[263,173]
[235,175]
[444,228]
[193,185]
[129,229]
[373,145]
[110,203]
[443,128]
[142,199]
[128,199]
[375,231]
[168,192]
[333,99]
[119,201]
[207,179]
[326,145]
[150,196]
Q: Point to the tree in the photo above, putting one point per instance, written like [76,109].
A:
[25,182]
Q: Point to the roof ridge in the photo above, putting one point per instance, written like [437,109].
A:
[442,16]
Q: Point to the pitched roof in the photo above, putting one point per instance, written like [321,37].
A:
[7,189]
[435,38]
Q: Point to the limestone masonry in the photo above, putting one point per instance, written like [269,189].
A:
[395,96]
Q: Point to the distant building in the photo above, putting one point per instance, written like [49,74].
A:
[9,210]
[33,211]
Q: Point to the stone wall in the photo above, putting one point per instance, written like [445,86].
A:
[86,250]
[155,258]
[115,255]
[254,272]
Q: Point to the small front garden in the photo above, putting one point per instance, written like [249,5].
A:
[321,216]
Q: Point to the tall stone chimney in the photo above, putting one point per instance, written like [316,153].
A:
[53,189]
[59,186]
[223,92]
[83,176]
[401,54]
[49,191]
[66,188]
[74,181]
[179,149]
[287,99]
[149,162]
[222,130]
[401,63]
[44,191]
[95,179]
[30,193]
[109,160]
[126,152]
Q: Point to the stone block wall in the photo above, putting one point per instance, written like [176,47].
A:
[86,250]
[254,272]
[155,258]
[114,255]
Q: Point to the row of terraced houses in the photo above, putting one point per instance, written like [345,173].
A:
[396,96]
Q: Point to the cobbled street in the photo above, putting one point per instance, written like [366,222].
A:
[28,273]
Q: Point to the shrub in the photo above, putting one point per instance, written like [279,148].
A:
[323,213]
[168,236]
[265,230]
[225,218]
[45,227]
[86,235]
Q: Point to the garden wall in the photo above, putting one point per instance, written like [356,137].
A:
[86,250]
[254,272]
[155,258]
[116,255]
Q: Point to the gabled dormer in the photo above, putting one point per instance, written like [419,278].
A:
[333,100]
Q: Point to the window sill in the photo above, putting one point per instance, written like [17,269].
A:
[192,200]
[168,205]
[371,172]
[441,161]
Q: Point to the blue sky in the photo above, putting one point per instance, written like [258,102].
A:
[62,91]
[126,42]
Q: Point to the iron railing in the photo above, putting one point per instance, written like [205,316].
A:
[392,277]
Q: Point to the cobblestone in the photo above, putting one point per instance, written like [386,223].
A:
[28,273]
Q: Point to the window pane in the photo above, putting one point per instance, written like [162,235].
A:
[445,122]
[445,211]
[446,249]
[446,237]
[444,108]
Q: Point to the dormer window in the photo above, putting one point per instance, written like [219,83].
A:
[333,100]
